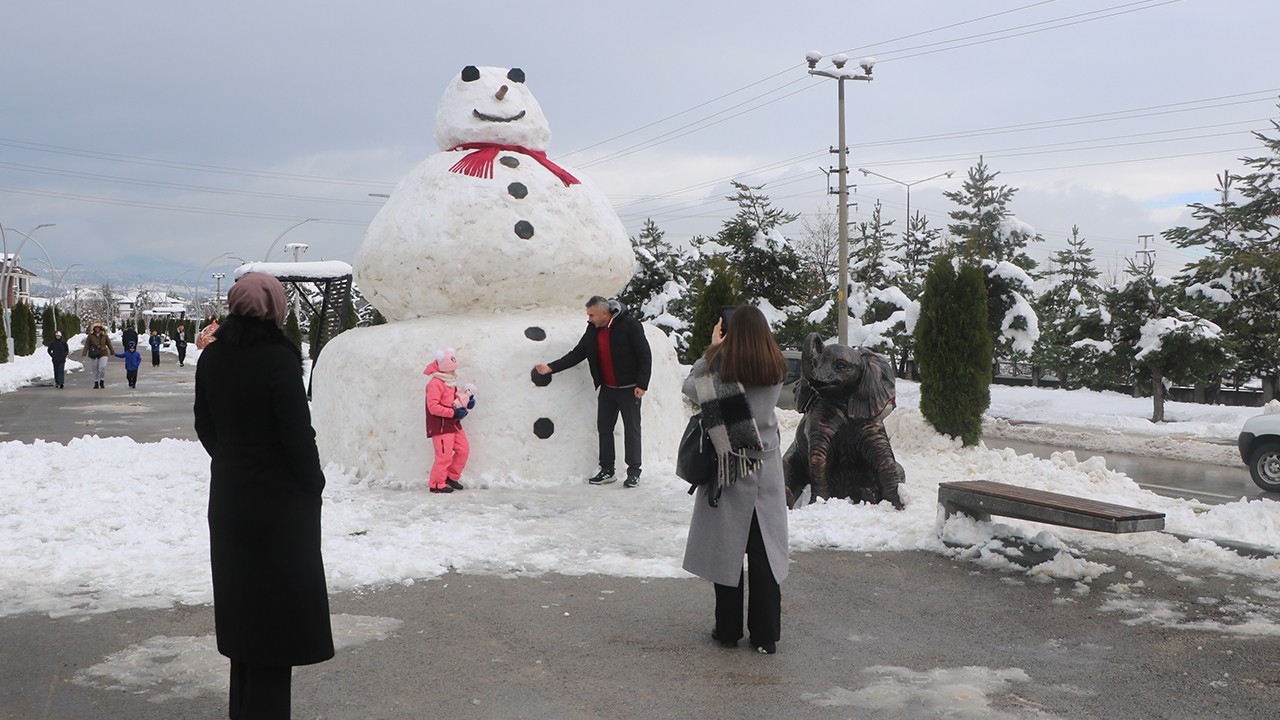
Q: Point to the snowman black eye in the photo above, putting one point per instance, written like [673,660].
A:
[515,75]
[470,74]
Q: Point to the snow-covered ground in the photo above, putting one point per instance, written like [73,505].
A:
[133,532]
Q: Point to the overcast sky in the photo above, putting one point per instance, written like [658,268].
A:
[182,132]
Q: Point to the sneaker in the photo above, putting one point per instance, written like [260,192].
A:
[765,648]
[631,481]
[454,484]
[445,489]
[604,477]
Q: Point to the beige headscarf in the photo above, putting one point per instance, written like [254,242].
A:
[258,295]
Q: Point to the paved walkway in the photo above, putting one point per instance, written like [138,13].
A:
[901,635]
[159,407]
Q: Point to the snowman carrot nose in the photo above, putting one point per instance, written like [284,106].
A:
[502,92]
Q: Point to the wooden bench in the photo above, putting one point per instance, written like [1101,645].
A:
[981,499]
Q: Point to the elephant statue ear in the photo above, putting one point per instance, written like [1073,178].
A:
[876,389]
[809,353]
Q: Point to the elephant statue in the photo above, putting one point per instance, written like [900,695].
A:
[841,448]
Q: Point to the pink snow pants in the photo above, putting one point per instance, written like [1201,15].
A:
[452,450]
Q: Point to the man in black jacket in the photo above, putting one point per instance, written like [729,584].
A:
[57,349]
[617,352]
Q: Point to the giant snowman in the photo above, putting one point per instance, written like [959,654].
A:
[490,248]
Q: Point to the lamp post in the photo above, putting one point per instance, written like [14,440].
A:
[267,257]
[217,294]
[298,249]
[7,266]
[907,228]
[840,74]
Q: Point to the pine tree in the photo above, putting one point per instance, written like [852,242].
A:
[292,329]
[33,333]
[953,349]
[4,344]
[18,326]
[765,261]
[48,322]
[916,252]
[1068,313]
[722,290]
[1163,343]
[660,289]
[984,221]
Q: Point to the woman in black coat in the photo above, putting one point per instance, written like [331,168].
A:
[270,604]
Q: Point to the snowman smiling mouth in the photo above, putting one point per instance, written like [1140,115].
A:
[496,118]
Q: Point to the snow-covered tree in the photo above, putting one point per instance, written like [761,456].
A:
[1069,312]
[1164,343]
[765,260]
[878,307]
[1011,319]
[661,281]
[984,221]
[722,288]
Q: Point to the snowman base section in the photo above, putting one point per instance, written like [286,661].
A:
[369,401]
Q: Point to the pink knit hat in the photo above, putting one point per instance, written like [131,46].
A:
[447,360]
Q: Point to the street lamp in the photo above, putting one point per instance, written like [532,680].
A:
[840,74]
[7,266]
[298,249]
[907,228]
[217,296]
[267,257]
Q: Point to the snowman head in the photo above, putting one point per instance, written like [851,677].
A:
[493,105]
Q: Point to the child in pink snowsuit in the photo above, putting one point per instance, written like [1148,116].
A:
[447,404]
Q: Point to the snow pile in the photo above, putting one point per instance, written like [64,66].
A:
[134,534]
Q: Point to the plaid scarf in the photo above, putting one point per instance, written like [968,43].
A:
[728,421]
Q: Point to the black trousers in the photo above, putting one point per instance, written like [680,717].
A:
[182,353]
[259,693]
[132,377]
[155,358]
[764,612]
[614,401]
[59,372]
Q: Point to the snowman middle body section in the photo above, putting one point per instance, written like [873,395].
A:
[447,242]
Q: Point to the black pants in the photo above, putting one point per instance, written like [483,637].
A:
[259,693]
[612,402]
[764,612]
[59,372]
[132,377]
[155,358]
[182,353]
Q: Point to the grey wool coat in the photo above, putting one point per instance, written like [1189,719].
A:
[718,535]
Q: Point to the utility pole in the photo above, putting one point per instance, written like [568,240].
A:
[1147,254]
[840,74]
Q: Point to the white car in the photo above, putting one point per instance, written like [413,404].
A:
[1260,448]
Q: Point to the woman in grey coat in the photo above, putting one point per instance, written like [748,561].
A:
[737,384]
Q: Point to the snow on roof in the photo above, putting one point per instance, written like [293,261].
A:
[319,270]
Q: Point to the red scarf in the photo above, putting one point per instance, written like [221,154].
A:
[480,162]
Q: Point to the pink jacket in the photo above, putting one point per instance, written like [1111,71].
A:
[441,400]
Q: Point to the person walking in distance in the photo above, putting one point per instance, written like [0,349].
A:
[132,361]
[270,604]
[180,342]
[617,352]
[154,342]
[97,347]
[57,350]
[737,383]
